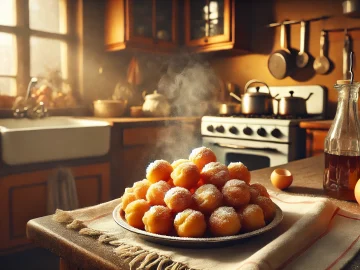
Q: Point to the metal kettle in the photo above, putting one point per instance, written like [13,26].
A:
[155,105]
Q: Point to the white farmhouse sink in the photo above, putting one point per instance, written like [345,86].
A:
[25,141]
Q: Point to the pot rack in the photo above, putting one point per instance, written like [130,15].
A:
[290,22]
[287,22]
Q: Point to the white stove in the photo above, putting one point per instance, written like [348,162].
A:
[267,140]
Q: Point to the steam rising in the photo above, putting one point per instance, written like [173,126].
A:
[191,85]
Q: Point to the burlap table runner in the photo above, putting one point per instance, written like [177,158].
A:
[314,234]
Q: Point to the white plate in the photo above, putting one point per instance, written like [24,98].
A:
[187,242]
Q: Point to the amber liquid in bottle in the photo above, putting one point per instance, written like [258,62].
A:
[342,144]
[341,175]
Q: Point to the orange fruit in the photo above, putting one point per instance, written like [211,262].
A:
[281,178]
[357,191]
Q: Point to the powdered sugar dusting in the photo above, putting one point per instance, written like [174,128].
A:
[200,153]
[235,183]
[252,209]
[215,173]
[208,197]
[223,213]
[159,211]
[178,198]
[208,191]
[159,164]
[188,215]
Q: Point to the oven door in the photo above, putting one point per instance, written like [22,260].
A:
[254,154]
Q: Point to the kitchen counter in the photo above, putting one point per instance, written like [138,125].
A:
[324,124]
[144,121]
[86,253]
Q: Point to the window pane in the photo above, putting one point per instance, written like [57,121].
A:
[7,86]
[7,54]
[47,15]
[47,55]
[7,12]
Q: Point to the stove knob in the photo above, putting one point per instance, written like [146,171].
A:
[261,132]
[276,133]
[210,128]
[233,130]
[220,129]
[248,131]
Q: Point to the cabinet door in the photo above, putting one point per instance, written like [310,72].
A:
[207,22]
[24,197]
[315,140]
[166,22]
[141,21]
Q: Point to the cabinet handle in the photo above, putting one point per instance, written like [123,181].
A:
[206,40]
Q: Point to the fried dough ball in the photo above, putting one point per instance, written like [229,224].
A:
[178,162]
[140,188]
[129,190]
[200,183]
[178,199]
[262,190]
[202,156]
[171,182]
[135,211]
[251,218]
[207,198]
[190,223]
[236,193]
[215,173]
[126,199]
[224,221]
[156,193]
[158,219]
[158,170]
[186,175]
[254,193]
[238,170]
[267,206]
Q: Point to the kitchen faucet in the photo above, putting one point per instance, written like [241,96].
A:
[32,82]
[30,109]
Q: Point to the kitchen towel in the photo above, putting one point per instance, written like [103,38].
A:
[314,234]
[61,191]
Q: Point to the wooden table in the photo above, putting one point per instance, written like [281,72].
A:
[85,252]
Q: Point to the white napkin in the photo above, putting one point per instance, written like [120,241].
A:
[314,234]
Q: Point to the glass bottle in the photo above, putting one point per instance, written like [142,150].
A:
[342,144]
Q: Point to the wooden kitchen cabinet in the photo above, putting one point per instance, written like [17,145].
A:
[150,25]
[210,25]
[23,197]
[316,132]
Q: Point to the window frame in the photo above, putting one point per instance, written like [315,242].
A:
[23,33]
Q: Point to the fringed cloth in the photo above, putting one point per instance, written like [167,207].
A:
[314,234]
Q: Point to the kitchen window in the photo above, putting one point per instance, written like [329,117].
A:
[35,41]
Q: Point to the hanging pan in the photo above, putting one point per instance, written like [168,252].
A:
[281,62]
